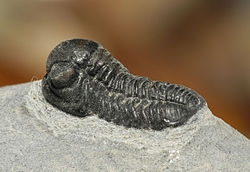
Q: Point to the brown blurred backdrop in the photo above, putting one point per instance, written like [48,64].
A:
[202,44]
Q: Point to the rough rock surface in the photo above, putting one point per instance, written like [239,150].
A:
[34,136]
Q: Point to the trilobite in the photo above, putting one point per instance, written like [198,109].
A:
[82,78]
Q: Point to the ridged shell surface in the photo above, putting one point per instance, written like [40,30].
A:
[82,78]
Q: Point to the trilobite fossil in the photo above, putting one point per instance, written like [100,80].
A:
[82,78]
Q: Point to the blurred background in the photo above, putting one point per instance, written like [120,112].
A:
[202,44]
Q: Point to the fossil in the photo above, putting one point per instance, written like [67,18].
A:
[82,78]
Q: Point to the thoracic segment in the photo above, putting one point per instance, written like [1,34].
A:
[167,103]
[110,73]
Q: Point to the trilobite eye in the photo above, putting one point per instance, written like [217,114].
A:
[62,75]
[81,56]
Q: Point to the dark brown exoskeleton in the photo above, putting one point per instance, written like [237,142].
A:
[83,78]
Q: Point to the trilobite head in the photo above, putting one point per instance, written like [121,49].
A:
[77,50]
[64,71]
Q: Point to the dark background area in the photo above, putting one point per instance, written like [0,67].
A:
[202,44]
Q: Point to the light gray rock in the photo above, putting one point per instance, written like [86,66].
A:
[34,136]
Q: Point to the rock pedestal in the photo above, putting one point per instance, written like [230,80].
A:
[35,136]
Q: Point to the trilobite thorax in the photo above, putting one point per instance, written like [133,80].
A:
[83,77]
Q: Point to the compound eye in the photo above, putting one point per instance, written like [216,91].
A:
[62,75]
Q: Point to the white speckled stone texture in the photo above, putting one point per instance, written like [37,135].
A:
[35,136]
